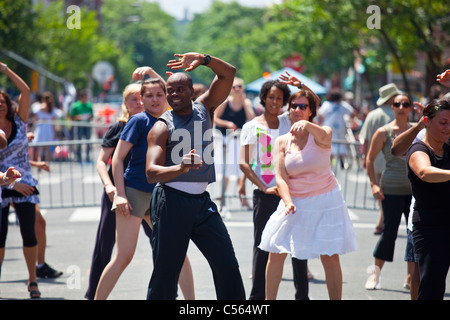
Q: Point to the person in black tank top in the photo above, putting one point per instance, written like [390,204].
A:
[428,165]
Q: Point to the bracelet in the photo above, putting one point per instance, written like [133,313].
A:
[300,86]
[3,178]
[3,67]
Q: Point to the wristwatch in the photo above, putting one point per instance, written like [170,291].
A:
[3,67]
[207,59]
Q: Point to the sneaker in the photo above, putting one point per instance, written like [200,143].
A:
[47,272]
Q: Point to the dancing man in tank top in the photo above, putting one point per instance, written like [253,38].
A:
[180,158]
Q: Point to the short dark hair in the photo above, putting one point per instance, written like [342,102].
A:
[274,83]
[9,104]
[334,95]
[311,101]
[434,106]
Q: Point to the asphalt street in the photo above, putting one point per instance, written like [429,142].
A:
[70,240]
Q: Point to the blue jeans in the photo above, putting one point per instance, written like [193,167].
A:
[83,133]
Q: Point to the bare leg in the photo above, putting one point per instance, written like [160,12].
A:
[333,276]
[30,254]
[127,231]
[186,280]
[274,272]
[380,222]
[415,281]
[39,228]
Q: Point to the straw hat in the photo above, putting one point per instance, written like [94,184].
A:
[386,92]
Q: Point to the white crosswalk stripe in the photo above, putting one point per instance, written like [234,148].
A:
[85,214]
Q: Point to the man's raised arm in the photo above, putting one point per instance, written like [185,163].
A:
[221,85]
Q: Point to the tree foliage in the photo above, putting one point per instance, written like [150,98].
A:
[142,30]
[71,53]
[222,31]
[331,35]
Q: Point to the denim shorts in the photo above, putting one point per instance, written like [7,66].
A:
[410,252]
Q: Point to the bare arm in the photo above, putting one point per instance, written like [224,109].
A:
[376,145]
[156,171]
[122,204]
[24,98]
[102,162]
[420,164]
[444,78]
[404,140]
[9,176]
[3,139]
[249,112]
[293,81]
[139,74]
[281,174]
[322,135]
[220,86]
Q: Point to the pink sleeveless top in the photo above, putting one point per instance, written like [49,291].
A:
[309,170]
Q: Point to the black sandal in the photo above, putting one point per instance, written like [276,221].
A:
[34,294]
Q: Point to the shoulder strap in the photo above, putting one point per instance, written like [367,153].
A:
[288,143]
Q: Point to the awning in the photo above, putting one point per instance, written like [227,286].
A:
[256,85]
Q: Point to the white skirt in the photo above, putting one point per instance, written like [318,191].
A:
[320,226]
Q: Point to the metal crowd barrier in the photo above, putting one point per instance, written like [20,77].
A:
[73,184]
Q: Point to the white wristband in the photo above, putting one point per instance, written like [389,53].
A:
[3,67]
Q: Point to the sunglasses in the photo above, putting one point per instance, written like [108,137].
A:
[404,104]
[238,86]
[302,106]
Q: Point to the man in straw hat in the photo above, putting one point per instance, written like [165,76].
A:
[374,120]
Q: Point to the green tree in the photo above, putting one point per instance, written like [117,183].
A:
[333,34]
[412,26]
[142,30]
[71,53]
[17,32]
[222,31]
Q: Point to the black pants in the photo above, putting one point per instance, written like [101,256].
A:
[26,214]
[104,244]
[393,208]
[432,246]
[178,217]
[263,207]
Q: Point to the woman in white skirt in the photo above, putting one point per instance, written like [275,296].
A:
[312,219]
